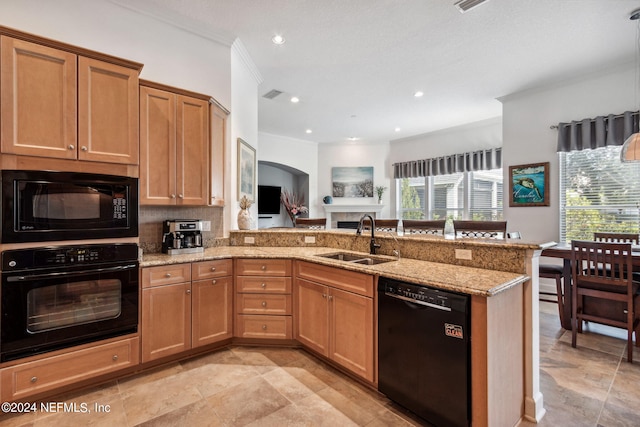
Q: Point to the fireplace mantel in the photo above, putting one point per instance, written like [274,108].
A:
[351,208]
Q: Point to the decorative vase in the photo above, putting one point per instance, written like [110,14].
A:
[244,219]
[327,200]
[379,201]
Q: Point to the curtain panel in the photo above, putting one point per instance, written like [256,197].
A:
[602,131]
[465,162]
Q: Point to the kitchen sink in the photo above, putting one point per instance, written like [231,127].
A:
[356,258]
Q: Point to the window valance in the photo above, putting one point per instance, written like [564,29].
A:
[465,162]
[601,131]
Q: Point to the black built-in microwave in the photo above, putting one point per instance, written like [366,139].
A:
[41,206]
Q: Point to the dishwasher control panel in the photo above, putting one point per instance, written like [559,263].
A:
[417,293]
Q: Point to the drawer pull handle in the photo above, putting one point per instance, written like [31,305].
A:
[167,275]
[264,267]
[213,269]
[214,281]
[264,285]
[34,379]
[115,357]
[264,327]
[264,303]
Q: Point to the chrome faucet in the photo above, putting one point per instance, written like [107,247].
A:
[373,245]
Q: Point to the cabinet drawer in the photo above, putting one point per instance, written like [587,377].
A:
[166,275]
[46,374]
[263,267]
[207,269]
[351,281]
[277,327]
[278,285]
[263,304]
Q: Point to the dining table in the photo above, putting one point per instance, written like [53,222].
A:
[563,251]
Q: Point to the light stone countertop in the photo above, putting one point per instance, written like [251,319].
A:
[468,280]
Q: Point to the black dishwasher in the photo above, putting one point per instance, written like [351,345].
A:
[423,351]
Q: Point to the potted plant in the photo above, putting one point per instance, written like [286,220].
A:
[380,191]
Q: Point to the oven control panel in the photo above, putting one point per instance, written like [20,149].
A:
[58,256]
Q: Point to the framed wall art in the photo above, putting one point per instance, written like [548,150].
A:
[246,171]
[352,181]
[529,185]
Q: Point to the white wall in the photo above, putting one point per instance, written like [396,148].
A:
[527,117]
[244,94]
[298,154]
[356,154]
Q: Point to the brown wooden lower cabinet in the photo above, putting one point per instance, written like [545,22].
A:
[179,316]
[263,299]
[333,322]
[49,373]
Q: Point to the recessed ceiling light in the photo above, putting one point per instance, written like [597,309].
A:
[353,138]
[278,39]
[295,99]
[308,131]
[418,94]
[397,129]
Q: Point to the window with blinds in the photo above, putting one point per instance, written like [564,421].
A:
[598,193]
[463,195]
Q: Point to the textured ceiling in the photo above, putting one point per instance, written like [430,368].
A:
[355,64]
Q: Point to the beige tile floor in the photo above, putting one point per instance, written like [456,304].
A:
[592,385]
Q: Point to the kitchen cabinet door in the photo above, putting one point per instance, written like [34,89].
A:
[212,309]
[218,137]
[38,98]
[312,315]
[192,151]
[166,320]
[157,147]
[351,332]
[107,112]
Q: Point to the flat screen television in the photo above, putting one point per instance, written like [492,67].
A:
[268,200]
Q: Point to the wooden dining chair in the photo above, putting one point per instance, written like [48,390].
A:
[311,223]
[423,226]
[602,271]
[549,271]
[382,224]
[616,237]
[480,229]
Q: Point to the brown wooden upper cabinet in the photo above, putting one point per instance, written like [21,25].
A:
[174,146]
[58,104]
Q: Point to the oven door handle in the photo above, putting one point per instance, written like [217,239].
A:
[70,274]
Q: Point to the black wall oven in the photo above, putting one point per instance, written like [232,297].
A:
[57,297]
[40,206]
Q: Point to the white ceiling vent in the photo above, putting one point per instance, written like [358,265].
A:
[466,5]
[272,94]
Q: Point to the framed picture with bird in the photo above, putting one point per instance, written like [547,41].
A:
[529,185]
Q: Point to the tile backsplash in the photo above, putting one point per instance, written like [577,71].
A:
[151,218]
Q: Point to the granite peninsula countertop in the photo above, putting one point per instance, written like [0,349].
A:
[468,280]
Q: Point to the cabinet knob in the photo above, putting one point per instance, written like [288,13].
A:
[173,196]
[34,379]
[264,285]
[83,148]
[214,281]
[72,147]
[264,327]
[263,268]
[115,357]
[330,297]
[213,269]
[324,295]
[167,275]
[188,291]
[180,196]
[264,303]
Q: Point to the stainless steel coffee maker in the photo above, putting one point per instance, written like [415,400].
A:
[182,236]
